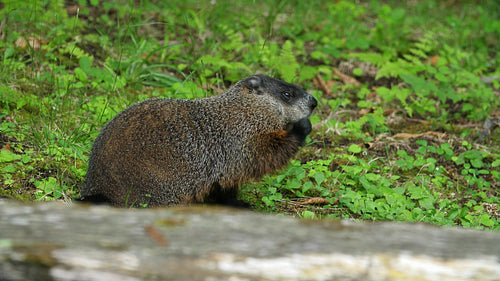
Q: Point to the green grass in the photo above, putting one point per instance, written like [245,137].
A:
[68,68]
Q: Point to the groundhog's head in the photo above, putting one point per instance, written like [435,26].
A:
[292,103]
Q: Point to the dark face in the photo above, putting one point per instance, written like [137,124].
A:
[293,102]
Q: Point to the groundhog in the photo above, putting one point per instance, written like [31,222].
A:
[164,152]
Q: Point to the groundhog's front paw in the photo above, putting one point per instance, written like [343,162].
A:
[303,126]
[301,129]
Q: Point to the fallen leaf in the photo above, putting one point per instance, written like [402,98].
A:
[389,111]
[21,43]
[33,42]
[321,84]
[433,60]
[368,145]
[314,201]
[413,136]
[406,136]
[7,147]
[346,78]
[73,10]
[364,111]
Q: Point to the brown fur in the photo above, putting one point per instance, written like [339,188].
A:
[167,152]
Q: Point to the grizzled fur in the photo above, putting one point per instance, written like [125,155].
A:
[166,152]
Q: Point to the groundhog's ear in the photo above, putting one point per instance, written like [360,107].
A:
[254,83]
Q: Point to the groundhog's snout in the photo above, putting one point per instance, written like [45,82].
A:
[309,104]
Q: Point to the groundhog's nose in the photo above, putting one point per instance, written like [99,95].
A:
[312,102]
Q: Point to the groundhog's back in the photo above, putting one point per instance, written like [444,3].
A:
[167,152]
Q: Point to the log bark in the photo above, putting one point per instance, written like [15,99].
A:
[51,241]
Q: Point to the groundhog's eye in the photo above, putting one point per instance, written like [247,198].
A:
[286,95]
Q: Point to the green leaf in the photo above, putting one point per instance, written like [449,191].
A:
[453,213]
[319,177]
[354,148]
[427,203]
[85,63]
[421,142]
[286,64]
[373,58]
[9,169]
[486,220]
[416,192]
[280,178]
[394,69]
[476,163]
[298,172]
[25,158]
[307,186]
[80,74]
[307,73]
[308,215]
[420,86]
[8,52]
[399,190]
[7,156]
[357,71]
[441,77]
[385,93]
[330,49]
[293,184]
[422,150]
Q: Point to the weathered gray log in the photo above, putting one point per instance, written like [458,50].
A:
[51,241]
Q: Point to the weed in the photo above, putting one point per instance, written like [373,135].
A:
[67,69]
